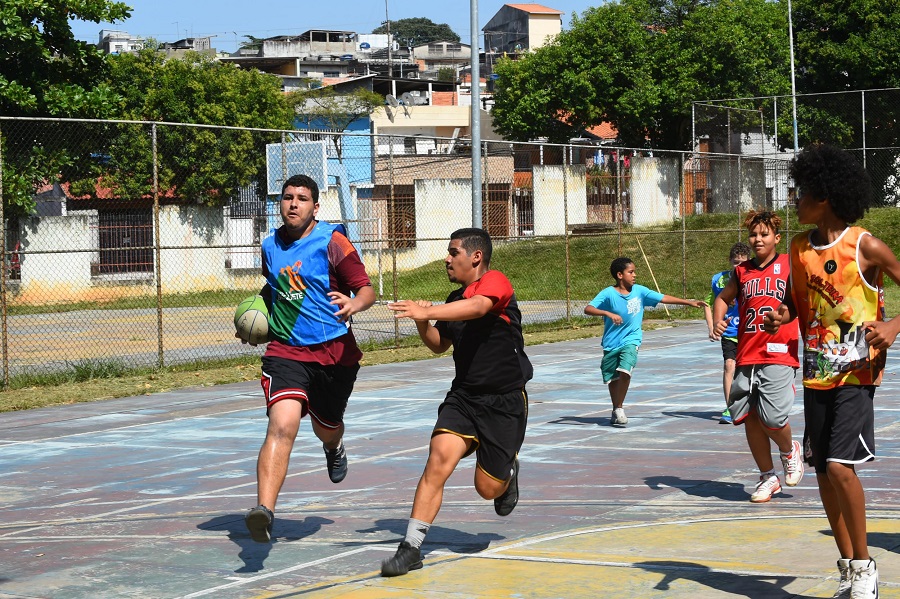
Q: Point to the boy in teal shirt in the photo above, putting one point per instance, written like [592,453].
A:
[622,308]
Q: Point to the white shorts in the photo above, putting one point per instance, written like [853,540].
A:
[767,389]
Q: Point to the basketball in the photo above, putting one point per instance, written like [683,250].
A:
[251,320]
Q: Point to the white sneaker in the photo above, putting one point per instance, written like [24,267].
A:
[619,418]
[793,465]
[863,579]
[765,488]
[843,590]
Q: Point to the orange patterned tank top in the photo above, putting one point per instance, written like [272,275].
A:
[833,299]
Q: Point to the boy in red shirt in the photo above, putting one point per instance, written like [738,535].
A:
[762,393]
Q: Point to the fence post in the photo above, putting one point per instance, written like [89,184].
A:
[3,276]
[160,360]
[566,225]
[392,233]
[683,227]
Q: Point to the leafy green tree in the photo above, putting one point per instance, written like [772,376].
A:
[851,45]
[324,109]
[194,163]
[639,64]
[46,71]
[418,31]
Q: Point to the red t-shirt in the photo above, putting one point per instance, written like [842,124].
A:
[761,290]
[489,352]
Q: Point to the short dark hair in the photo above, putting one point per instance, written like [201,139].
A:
[302,181]
[771,220]
[829,173]
[473,239]
[739,249]
[619,265]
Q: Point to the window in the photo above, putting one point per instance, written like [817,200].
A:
[401,214]
[126,241]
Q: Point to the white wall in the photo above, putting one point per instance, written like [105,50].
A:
[62,274]
[655,191]
[195,266]
[555,188]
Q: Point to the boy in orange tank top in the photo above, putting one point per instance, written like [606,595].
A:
[838,299]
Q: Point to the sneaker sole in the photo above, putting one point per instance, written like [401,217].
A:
[389,574]
[767,499]
[258,525]
[515,480]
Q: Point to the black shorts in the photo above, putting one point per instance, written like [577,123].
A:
[729,349]
[840,425]
[496,424]
[323,391]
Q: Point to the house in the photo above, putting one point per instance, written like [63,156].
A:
[434,56]
[114,41]
[518,28]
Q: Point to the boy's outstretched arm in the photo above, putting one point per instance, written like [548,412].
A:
[875,255]
[418,311]
[671,299]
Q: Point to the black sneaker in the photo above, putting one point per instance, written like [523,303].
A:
[336,460]
[506,503]
[407,558]
[259,523]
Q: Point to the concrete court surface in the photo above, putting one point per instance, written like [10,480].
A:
[145,496]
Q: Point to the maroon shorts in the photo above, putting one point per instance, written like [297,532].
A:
[323,391]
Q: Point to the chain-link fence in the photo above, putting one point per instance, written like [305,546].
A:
[132,242]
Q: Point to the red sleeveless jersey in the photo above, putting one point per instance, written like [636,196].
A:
[761,290]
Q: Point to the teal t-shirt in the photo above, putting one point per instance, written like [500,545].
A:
[631,308]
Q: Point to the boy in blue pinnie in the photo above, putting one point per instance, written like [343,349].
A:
[740,252]
[622,308]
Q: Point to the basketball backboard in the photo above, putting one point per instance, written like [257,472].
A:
[296,158]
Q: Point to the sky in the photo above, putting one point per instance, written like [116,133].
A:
[230,20]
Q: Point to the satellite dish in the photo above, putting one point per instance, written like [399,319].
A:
[406,101]
[391,100]
[390,113]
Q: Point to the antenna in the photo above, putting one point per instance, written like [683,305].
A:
[390,113]
[406,101]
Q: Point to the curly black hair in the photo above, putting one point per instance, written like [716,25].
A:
[828,172]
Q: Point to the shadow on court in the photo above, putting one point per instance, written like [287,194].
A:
[145,496]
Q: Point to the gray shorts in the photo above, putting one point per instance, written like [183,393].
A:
[767,389]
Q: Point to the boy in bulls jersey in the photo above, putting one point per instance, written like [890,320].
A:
[837,296]
[315,281]
[486,410]
[762,393]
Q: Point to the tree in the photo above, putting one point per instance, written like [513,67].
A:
[194,163]
[45,71]
[418,31]
[852,45]
[324,109]
[639,64]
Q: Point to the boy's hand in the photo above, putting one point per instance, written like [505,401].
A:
[617,320]
[414,310]
[719,329]
[880,334]
[698,303]
[772,321]
[347,305]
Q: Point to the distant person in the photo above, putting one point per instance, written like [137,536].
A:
[622,308]
[486,409]
[740,252]
[837,295]
[762,393]
[315,281]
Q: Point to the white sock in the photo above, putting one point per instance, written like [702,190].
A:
[416,531]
